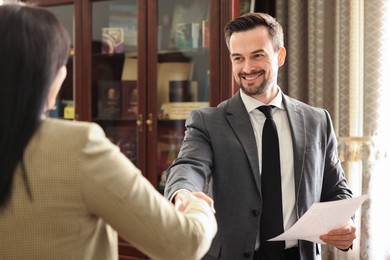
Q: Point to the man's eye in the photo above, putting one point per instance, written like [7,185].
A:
[256,56]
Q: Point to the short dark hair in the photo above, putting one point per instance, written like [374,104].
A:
[252,20]
[34,45]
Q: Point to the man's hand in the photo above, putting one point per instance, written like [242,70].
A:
[183,197]
[210,201]
[342,238]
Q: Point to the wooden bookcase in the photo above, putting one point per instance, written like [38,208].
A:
[152,42]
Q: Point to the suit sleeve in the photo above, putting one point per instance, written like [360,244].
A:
[192,169]
[115,190]
[334,182]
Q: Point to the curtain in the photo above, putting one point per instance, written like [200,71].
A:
[337,60]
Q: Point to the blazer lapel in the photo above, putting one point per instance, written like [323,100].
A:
[298,133]
[238,118]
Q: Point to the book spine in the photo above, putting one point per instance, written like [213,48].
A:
[179,91]
[195,35]
[205,34]
[110,100]
[129,99]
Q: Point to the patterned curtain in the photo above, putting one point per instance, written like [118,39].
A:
[337,59]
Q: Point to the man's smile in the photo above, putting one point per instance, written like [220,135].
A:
[252,76]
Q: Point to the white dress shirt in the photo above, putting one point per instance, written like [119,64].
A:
[286,153]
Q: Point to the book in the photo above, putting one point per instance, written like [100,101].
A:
[68,106]
[168,71]
[63,108]
[183,36]
[187,35]
[205,34]
[109,99]
[195,35]
[112,40]
[54,112]
[188,12]
[180,91]
[129,99]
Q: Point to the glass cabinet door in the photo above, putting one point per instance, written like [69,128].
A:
[64,107]
[137,68]
[114,81]
[114,90]
[183,73]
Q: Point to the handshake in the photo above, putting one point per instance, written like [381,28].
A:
[183,197]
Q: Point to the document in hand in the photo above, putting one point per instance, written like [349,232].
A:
[322,218]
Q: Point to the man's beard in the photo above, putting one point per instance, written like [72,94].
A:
[256,90]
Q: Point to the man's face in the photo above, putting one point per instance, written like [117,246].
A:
[255,62]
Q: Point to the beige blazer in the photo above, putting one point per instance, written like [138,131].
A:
[83,189]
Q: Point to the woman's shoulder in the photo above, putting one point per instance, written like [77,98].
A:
[66,130]
[62,125]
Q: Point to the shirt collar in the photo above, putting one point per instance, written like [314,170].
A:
[252,103]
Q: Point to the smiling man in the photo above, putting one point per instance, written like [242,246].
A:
[256,60]
[261,181]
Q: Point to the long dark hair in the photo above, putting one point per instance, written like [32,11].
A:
[34,45]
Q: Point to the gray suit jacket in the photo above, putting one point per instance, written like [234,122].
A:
[219,156]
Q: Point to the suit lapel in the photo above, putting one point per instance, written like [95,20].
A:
[298,133]
[238,118]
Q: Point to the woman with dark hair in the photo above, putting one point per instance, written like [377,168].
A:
[63,184]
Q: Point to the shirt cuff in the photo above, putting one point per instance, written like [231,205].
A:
[172,198]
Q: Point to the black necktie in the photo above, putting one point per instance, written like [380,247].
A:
[271,223]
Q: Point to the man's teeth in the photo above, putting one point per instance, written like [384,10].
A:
[251,78]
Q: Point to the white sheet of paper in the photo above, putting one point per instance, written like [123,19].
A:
[322,218]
